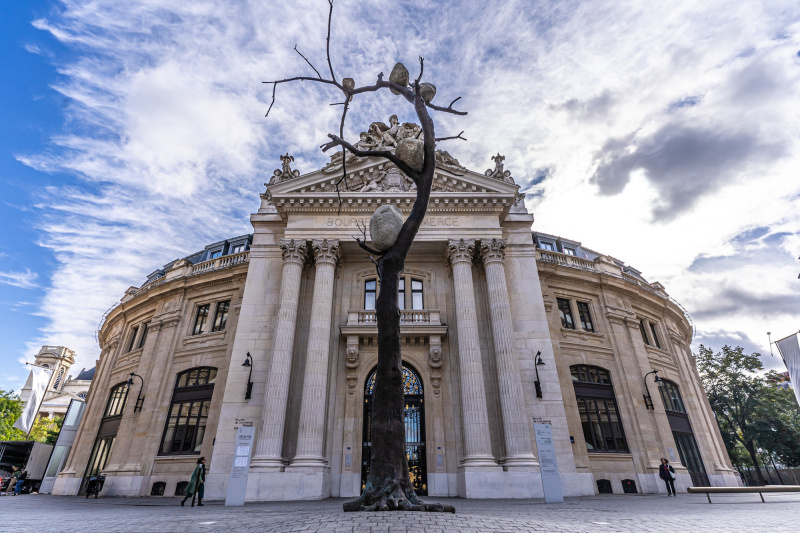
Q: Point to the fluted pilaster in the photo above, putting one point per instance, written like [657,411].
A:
[478,449]
[519,451]
[269,447]
[310,440]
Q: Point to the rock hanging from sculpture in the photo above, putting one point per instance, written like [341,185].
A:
[427,91]
[349,84]
[384,227]
[399,76]
[411,152]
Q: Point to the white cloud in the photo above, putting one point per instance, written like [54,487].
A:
[165,126]
[23,280]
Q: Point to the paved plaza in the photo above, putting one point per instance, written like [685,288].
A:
[687,513]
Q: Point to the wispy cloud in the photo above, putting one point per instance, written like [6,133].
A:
[23,280]
[683,113]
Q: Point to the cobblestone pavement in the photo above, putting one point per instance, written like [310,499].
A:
[641,513]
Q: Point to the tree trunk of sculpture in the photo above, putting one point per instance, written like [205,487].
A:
[388,486]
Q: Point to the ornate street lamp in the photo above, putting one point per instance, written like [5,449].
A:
[248,363]
[648,400]
[538,385]
[139,399]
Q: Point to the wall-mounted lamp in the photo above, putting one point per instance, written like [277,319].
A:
[648,400]
[248,362]
[538,385]
[139,399]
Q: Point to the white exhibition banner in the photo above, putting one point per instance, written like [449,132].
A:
[240,468]
[40,379]
[548,466]
[790,351]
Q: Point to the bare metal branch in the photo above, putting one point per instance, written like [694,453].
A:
[328,41]
[307,61]
[421,68]
[459,136]
[338,141]
[448,109]
[296,78]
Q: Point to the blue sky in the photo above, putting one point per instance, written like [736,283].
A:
[133,133]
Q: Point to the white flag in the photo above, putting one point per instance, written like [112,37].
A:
[40,379]
[790,351]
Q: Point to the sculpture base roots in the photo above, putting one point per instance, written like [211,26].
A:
[392,497]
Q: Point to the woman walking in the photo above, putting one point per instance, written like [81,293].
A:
[667,473]
[196,483]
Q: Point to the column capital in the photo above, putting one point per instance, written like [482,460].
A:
[493,251]
[293,251]
[460,250]
[326,251]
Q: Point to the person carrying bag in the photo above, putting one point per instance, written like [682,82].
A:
[667,473]
[196,484]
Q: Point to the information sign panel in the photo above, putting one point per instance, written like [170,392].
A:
[551,481]
[237,484]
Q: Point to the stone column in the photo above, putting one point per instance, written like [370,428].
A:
[310,439]
[477,447]
[269,446]
[519,451]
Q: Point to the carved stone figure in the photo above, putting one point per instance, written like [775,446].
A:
[498,173]
[444,158]
[285,172]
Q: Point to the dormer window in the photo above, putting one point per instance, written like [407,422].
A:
[569,251]
[215,254]
[547,246]
[237,248]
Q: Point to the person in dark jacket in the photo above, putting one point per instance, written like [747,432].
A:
[12,481]
[20,482]
[667,473]
[197,483]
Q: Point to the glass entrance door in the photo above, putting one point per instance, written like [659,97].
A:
[415,430]
[690,457]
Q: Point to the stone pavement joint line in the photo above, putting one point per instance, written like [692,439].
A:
[739,513]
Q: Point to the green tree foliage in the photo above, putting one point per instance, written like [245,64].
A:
[10,409]
[754,413]
[46,429]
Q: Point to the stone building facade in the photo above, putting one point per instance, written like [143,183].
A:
[489,348]
[63,387]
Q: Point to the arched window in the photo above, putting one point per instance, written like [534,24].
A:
[188,413]
[59,378]
[602,426]
[672,397]
[116,400]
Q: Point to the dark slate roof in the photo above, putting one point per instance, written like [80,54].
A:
[86,375]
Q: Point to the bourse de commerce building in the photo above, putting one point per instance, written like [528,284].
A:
[501,328]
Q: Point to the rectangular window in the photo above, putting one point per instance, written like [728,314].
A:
[200,319]
[144,335]
[644,332]
[134,333]
[547,246]
[186,427]
[416,295]
[655,335]
[215,254]
[221,315]
[370,291]
[569,251]
[585,316]
[401,293]
[236,249]
[565,312]
[602,427]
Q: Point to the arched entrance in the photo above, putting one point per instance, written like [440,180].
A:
[415,429]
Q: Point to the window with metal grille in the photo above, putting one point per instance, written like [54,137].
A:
[188,413]
[200,319]
[116,400]
[585,316]
[221,315]
[597,407]
[565,312]
[671,396]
